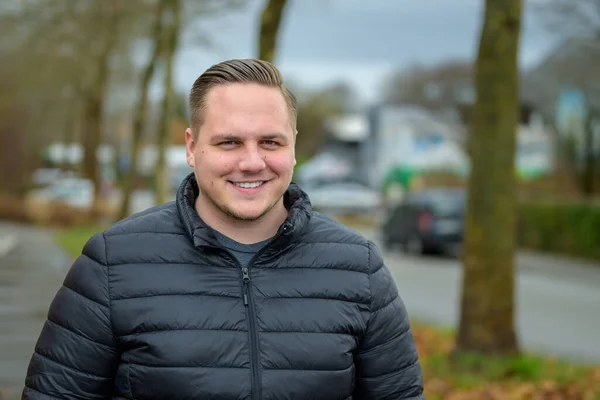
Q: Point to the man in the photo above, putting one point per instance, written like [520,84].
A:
[237,289]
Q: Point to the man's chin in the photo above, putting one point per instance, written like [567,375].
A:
[246,216]
[250,213]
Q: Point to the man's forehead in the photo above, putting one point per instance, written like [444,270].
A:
[237,89]
[223,108]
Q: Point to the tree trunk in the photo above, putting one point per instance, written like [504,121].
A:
[162,181]
[269,28]
[487,306]
[74,128]
[95,98]
[91,141]
[14,171]
[140,112]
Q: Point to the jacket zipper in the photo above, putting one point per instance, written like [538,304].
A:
[256,384]
[254,349]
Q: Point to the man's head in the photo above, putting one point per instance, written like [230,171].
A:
[241,138]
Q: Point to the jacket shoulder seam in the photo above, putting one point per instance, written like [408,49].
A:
[386,304]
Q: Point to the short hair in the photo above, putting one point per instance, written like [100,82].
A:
[236,71]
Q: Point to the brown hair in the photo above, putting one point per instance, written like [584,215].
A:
[236,71]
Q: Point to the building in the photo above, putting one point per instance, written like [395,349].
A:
[412,138]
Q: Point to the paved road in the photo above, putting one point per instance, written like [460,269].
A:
[32,268]
[558,299]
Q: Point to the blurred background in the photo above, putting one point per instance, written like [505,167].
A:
[93,109]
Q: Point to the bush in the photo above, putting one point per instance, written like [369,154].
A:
[56,214]
[565,228]
[60,215]
[13,208]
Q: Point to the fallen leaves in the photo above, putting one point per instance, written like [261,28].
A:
[525,377]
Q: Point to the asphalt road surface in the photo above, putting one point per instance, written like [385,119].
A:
[557,299]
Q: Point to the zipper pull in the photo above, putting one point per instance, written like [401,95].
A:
[245,281]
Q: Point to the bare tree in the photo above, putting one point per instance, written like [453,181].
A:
[66,57]
[73,61]
[142,107]
[579,22]
[170,50]
[570,17]
[487,304]
[95,94]
[430,86]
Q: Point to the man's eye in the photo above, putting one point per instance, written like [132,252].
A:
[270,143]
[227,143]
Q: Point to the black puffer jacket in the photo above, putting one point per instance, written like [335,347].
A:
[154,309]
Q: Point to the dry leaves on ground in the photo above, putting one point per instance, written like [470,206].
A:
[535,378]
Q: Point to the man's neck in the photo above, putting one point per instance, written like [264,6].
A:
[246,232]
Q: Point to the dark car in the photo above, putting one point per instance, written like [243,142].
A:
[428,221]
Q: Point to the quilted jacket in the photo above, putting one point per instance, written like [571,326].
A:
[155,308]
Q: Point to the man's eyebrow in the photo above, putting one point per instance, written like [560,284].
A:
[227,137]
[271,136]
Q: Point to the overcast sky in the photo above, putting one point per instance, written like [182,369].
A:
[358,41]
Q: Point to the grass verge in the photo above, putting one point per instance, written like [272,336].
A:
[74,238]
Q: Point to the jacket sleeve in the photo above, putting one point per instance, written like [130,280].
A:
[75,355]
[387,363]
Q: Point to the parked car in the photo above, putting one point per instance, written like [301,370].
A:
[343,197]
[427,221]
[47,176]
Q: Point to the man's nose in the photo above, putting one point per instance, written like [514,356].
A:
[252,161]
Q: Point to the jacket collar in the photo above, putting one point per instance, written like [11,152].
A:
[294,199]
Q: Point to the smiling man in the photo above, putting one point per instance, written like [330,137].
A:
[237,289]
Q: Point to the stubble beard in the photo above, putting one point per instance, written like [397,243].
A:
[237,217]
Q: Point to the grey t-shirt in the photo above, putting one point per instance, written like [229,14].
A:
[242,252]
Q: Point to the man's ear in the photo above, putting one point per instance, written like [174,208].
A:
[190,147]
[295,134]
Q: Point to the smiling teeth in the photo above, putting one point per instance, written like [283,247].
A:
[249,185]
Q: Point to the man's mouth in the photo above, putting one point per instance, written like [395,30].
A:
[249,185]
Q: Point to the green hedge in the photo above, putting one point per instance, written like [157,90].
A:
[563,228]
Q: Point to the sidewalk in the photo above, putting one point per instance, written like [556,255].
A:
[559,266]
[32,268]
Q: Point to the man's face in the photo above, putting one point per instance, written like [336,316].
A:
[243,156]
